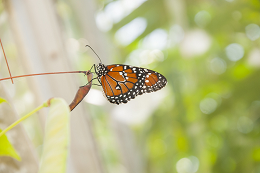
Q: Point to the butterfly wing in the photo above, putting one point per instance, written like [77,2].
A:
[122,83]
[153,81]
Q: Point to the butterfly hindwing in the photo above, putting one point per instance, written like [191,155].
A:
[153,81]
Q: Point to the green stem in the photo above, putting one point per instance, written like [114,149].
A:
[23,118]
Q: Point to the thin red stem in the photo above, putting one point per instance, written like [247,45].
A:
[85,72]
[6,62]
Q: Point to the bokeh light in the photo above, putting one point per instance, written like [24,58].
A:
[244,125]
[128,33]
[72,45]
[141,57]
[218,65]
[136,113]
[114,12]
[252,31]
[234,52]
[230,0]
[253,58]
[187,165]
[208,105]
[202,18]
[176,35]
[237,15]
[156,40]
[95,97]
[103,21]
[195,43]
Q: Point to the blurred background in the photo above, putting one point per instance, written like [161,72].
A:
[205,120]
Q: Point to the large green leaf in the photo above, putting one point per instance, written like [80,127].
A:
[6,148]
[56,140]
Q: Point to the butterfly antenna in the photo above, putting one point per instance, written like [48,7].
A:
[94,52]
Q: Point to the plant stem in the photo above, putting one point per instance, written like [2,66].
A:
[6,61]
[23,118]
[85,72]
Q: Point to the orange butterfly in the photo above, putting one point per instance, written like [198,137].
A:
[122,83]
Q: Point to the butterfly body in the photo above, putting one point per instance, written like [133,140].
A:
[122,83]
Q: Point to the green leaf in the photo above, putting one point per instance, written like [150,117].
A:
[6,148]
[56,140]
[2,100]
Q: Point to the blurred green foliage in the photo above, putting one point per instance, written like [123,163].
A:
[212,115]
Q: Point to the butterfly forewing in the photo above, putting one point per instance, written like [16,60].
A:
[122,83]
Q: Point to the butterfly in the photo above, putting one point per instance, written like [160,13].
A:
[122,83]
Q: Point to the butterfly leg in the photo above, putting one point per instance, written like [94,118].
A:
[96,84]
[92,84]
[90,81]
[94,68]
